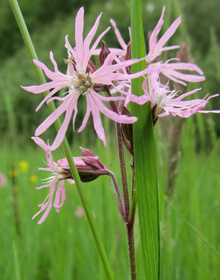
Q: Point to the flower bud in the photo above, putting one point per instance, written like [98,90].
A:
[92,168]
[184,54]
[88,166]
[103,53]
[128,56]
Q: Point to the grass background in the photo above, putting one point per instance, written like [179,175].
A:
[63,248]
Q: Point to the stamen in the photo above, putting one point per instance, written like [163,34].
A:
[82,82]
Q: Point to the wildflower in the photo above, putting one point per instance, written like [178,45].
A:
[89,167]
[24,166]
[81,79]
[55,183]
[165,101]
[171,68]
[156,47]
[33,178]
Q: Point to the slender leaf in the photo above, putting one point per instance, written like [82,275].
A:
[144,153]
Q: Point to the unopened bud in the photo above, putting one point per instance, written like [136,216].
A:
[128,56]
[128,52]
[184,54]
[103,54]
[89,166]
[90,67]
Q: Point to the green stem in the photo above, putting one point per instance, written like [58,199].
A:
[26,37]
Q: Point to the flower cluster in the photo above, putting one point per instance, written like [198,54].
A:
[107,89]
[163,100]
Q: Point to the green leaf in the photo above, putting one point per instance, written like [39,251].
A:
[144,154]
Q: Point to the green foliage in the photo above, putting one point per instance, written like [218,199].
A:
[63,248]
[199,17]
[37,14]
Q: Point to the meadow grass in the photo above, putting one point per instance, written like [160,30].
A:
[63,247]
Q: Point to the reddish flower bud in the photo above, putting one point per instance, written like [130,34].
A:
[103,54]
[128,56]
[184,54]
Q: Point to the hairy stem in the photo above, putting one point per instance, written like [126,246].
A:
[120,202]
[123,170]
[131,247]
[129,226]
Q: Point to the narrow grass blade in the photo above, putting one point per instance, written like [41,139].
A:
[16,260]
[196,231]
[144,154]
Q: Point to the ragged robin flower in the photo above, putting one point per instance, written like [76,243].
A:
[171,68]
[165,102]
[82,79]
[89,167]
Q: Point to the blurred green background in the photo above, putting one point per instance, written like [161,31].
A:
[62,247]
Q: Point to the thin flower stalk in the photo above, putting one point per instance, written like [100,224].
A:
[119,198]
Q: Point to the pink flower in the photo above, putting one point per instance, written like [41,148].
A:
[81,79]
[3,180]
[171,70]
[165,102]
[55,183]
[121,52]
[156,47]
[89,167]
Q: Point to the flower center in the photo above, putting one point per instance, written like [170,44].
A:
[82,82]
[61,173]
[162,96]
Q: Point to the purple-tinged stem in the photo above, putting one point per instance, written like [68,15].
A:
[129,226]
[123,170]
[131,247]
[120,202]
